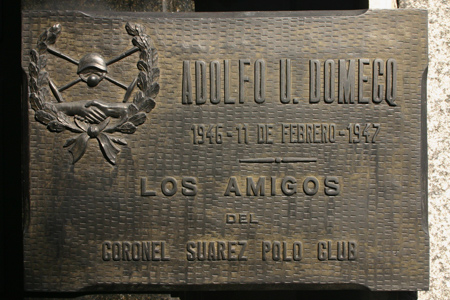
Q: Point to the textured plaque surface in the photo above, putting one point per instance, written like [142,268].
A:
[226,150]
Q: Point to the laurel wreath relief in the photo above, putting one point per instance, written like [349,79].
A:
[47,112]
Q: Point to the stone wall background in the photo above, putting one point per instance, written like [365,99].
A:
[438,144]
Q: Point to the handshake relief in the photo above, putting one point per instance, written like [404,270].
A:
[94,111]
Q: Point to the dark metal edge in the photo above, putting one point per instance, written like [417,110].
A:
[424,159]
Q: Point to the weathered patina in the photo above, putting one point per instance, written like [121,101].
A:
[226,150]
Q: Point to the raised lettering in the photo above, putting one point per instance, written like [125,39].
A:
[258,189]
[241,256]
[329,74]
[232,187]
[212,251]
[322,251]
[126,247]
[156,251]
[232,251]
[106,251]
[214,70]
[190,246]
[346,81]
[266,246]
[242,78]
[226,89]
[377,89]
[221,250]
[200,82]
[289,186]
[391,81]
[352,251]
[314,81]
[146,256]
[361,80]
[260,81]
[186,94]
[308,189]
[166,190]
[285,81]
[144,191]
[297,251]
[189,186]
[136,251]
[332,187]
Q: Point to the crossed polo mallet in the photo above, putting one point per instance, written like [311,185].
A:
[92,69]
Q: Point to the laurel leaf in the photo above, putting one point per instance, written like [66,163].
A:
[153,90]
[128,128]
[55,126]
[44,93]
[53,34]
[35,102]
[155,56]
[139,28]
[118,140]
[148,105]
[132,109]
[44,117]
[62,117]
[66,122]
[146,42]
[43,37]
[155,74]
[137,42]
[51,39]
[55,29]
[42,46]
[33,70]
[144,56]
[142,66]
[42,79]
[142,81]
[34,56]
[50,108]
[42,62]
[131,29]
[138,98]
[82,125]
[33,85]
[138,119]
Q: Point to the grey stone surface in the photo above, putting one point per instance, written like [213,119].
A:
[438,144]
[422,4]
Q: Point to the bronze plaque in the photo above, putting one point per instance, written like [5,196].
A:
[234,150]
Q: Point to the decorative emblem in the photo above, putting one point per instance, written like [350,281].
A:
[91,119]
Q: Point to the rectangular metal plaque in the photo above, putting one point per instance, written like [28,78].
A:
[226,150]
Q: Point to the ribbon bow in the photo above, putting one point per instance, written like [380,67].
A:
[78,145]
